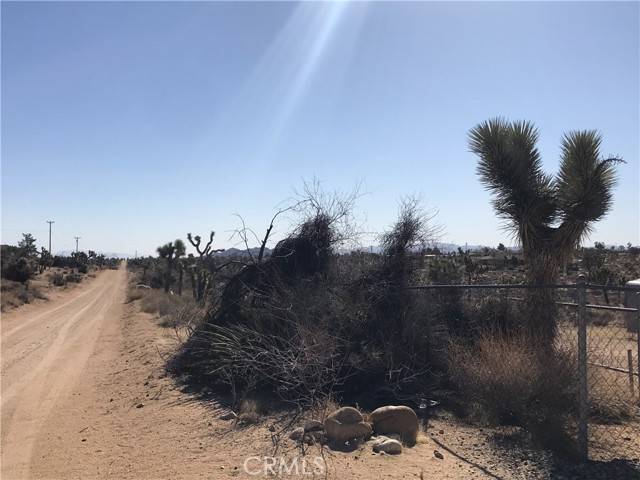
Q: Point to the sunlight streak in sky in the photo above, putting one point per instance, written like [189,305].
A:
[282,78]
[324,26]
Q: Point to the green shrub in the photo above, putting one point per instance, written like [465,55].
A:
[18,269]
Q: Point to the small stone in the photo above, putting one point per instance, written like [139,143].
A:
[272,428]
[441,432]
[438,455]
[388,446]
[140,405]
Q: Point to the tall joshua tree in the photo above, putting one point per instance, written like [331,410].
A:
[550,215]
[170,252]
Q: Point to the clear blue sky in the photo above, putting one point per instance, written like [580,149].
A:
[130,124]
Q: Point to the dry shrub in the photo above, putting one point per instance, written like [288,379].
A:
[295,326]
[133,294]
[73,278]
[57,279]
[507,379]
[158,302]
[15,294]
[184,316]
[297,359]
[250,412]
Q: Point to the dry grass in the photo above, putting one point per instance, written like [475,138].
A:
[13,294]
[250,412]
[158,302]
[610,397]
[133,294]
[508,380]
[175,311]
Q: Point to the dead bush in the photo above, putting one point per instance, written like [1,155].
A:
[295,326]
[506,379]
[187,315]
[15,294]
[156,302]
[133,294]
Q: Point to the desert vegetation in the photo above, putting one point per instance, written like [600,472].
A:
[305,323]
[28,273]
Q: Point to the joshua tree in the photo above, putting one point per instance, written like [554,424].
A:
[549,215]
[170,252]
[201,269]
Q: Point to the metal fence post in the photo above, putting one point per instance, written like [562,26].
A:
[583,392]
[638,336]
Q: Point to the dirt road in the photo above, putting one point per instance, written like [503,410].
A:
[45,350]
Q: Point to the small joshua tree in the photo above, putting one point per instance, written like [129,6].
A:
[200,268]
[549,215]
[170,252]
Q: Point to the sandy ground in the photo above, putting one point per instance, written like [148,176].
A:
[85,395]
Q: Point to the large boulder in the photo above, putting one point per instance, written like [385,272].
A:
[400,420]
[346,424]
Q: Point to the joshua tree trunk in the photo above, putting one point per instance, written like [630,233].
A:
[542,269]
[167,276]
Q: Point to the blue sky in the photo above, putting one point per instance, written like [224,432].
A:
[131,124]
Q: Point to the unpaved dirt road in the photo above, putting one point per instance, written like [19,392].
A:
[45,351]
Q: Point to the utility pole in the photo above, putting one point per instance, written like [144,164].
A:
[50,222]
[77,238]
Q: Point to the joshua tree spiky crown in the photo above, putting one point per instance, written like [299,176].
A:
[550,215]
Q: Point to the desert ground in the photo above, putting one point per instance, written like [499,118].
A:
[85,395]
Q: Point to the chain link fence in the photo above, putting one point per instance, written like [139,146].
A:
[596,346]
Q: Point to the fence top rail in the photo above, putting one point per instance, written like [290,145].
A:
[524,286]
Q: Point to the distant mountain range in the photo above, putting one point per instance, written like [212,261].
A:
[241,252]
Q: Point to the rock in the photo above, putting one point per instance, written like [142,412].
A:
[140,405]
[313,426]
[346,423]
[400,420]
[230,415]
[387,445]
[438,455]
[346,415]
[297,434]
